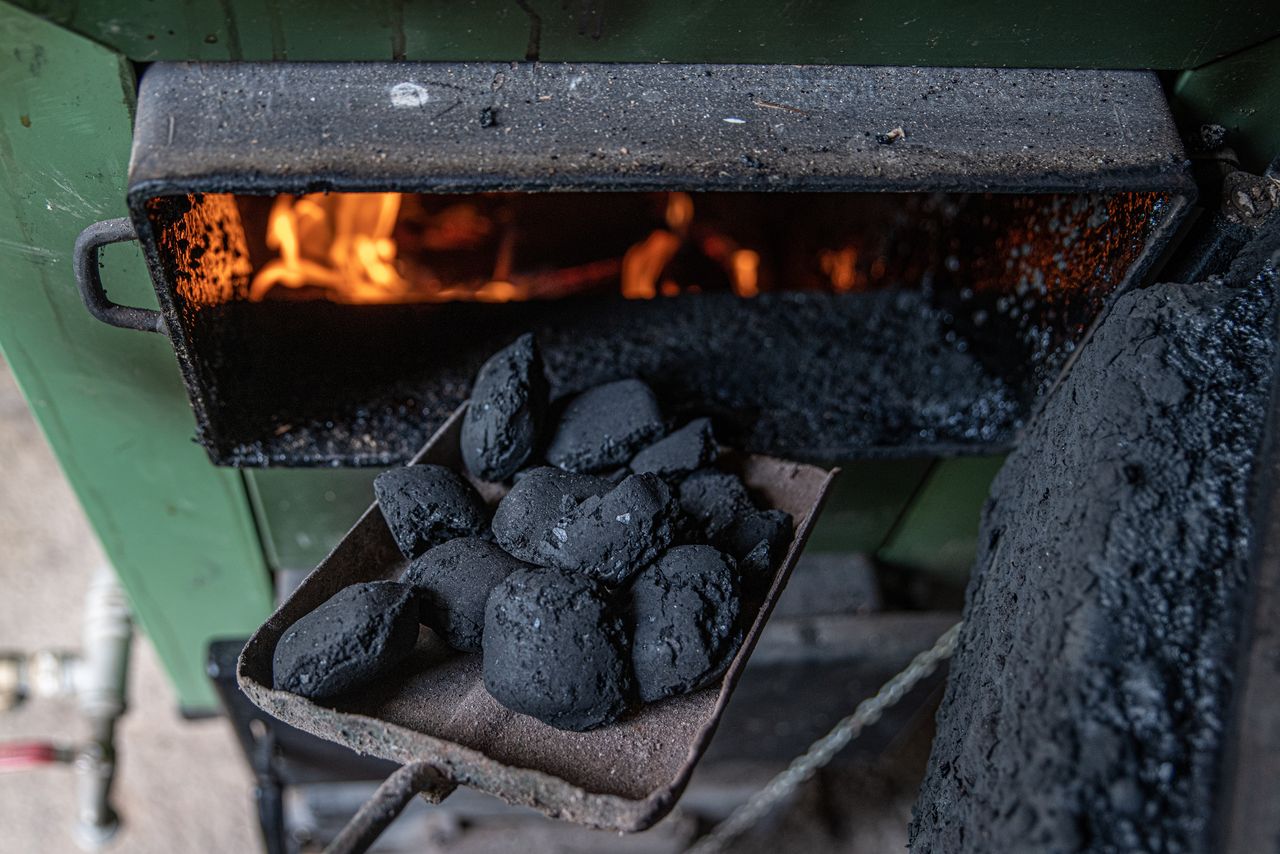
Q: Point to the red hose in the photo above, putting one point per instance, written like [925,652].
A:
[18,755]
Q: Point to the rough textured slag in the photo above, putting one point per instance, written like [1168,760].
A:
[685,610]
[1088,695]
[613,536]
[602,427]
[714,500]
[540,497]
[505,414]
[691,447]
[358,635]
[555,648]
[427,505]
[453,582]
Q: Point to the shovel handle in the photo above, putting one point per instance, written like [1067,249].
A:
[388,802]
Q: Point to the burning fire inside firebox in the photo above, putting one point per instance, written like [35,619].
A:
[373,308]
[394,248]
[387,248]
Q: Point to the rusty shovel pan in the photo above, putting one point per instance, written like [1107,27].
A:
[434,707]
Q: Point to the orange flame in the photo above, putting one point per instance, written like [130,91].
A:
[340,242]
[644,262]
[746,272]
[345,245]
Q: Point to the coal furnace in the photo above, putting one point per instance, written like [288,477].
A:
[336,248]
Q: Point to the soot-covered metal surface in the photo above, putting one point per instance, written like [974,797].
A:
[816,376]
[467,127]
[1092,684]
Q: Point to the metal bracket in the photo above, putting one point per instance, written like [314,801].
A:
[89,281]
[388,802]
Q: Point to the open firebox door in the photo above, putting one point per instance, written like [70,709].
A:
[833,262]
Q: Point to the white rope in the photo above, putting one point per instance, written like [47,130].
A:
[825,749]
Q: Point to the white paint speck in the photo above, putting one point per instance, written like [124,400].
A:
[734,120]
[408,94]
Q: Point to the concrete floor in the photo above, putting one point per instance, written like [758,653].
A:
[182,786]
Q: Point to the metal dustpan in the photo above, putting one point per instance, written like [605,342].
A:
[433,710]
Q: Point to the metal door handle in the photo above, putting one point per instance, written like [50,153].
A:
[95,298]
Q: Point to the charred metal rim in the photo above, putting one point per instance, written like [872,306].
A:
[477,127]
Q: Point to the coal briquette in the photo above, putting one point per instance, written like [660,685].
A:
[539,498]
[613,536]
[685,610]
[453,582]
[555,648]
[358,635]
[508,403]
[604,426]
[691,447]
[757,541]
[714,499]
[427,505]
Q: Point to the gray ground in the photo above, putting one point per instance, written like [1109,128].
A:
[182,786]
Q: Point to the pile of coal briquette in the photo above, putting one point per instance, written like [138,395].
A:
[621,567]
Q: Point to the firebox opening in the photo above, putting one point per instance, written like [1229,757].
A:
[340,328]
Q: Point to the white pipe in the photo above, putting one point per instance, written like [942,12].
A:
[104,657]
[101,680]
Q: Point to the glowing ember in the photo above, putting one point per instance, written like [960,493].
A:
[841,267]
[644,263]
[679,212]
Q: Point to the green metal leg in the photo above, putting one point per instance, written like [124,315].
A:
[111,403]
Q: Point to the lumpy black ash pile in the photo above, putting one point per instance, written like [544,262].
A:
[619,569]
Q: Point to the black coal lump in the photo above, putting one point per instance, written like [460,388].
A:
[508,403]
[604,426]
[691,447]
[427,505]
[744,537]
[539,498]
[358,635]
[685,610]
[453,582]
[613,536]
[714,499]
[555,648]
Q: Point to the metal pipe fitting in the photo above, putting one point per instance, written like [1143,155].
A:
[44,673]
[101,681]
[104,663]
